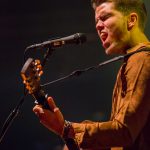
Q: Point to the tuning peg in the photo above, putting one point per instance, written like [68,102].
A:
[37,62]
[40,73]
[30,92]
[39,67]
[24,81]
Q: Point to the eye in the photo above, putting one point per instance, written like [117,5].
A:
[105,17]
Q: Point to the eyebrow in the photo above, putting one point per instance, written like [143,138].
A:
[102,15]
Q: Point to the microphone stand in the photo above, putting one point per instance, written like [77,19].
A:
[9,120]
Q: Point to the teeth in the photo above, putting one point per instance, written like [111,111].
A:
[102,34]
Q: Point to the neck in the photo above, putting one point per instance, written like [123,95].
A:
[137,37]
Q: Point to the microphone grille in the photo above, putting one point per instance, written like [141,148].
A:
[80,38]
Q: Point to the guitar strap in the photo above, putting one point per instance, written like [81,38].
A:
[71,144]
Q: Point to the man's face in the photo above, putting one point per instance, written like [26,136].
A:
[111,26]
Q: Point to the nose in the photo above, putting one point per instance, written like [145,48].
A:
[99,25]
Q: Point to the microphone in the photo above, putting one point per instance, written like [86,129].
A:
[77,38]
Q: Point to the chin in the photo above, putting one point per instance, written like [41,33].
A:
[114,48]
[109,48]
[109,51]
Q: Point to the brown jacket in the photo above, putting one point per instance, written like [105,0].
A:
[129,126]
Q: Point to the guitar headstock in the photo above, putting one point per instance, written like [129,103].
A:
[31,74]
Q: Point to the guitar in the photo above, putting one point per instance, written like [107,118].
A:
[31,74]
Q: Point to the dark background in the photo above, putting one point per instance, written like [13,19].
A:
[23,23]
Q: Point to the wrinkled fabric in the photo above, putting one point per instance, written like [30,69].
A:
[129,126]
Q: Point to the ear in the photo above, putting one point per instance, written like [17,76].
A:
[132,20]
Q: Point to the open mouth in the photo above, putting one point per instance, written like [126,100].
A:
[104,36]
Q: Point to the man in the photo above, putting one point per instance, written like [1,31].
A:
[120,26]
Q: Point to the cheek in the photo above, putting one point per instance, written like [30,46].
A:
[116,30]
[111,27]
[115,22]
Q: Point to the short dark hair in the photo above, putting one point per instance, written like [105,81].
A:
[126,7]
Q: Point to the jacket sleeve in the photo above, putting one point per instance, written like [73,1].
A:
[132,114]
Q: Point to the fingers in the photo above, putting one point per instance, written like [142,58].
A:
[51,103]
[39,110]
[52,119]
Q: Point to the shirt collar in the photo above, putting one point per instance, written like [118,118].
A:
[140,45]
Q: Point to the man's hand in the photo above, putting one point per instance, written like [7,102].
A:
[53,120]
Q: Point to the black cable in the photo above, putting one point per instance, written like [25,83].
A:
[79,72]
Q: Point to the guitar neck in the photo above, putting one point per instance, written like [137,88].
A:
[41,98]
